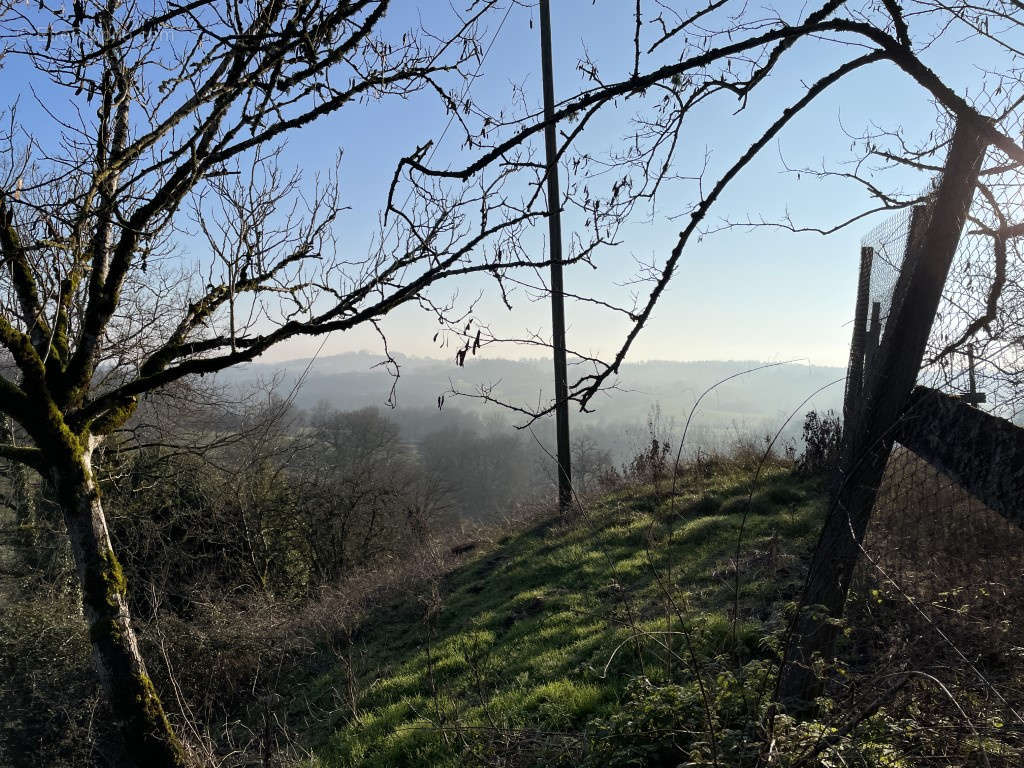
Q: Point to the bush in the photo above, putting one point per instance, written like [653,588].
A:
[667,725]
[823,437]
[650,465]
[655,726]
[654,461]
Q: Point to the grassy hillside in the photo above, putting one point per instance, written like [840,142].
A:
[645,633]
[548,648]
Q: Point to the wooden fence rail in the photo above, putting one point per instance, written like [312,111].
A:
[980,452]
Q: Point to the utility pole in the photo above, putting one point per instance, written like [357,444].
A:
[555,240]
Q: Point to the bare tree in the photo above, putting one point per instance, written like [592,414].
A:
[189,102]
[693,58]
[176,114]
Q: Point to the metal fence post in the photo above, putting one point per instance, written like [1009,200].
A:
[871,344]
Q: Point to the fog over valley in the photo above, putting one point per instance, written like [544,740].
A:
[751,404]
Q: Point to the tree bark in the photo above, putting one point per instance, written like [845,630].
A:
[149,740]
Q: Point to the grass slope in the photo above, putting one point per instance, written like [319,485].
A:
[530,648]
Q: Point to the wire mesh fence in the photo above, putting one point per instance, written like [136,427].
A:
[888,244]
[939,588]
[981,319]
[981,316]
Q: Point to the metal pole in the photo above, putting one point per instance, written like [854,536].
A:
[555,239]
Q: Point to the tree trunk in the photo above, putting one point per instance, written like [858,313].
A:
[149,740]
[816,626]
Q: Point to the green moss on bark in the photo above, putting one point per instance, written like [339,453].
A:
[156,719]
[113,576]
[147,732]
[106,588]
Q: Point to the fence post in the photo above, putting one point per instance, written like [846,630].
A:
[934,236]
[919,222]
[855,372]
[871,345]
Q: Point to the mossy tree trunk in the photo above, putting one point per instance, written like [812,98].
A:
[149,740]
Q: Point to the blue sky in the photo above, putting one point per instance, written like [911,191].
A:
[739,294]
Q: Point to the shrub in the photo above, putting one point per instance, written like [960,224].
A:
[655,726]
[749,451]
[51,709]
[706,464]
[654,462]
[823,436]
[651,464]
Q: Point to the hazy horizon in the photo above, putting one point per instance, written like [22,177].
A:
[746,397]
[363,351]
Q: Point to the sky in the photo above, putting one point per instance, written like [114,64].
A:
[739,294]
[759,294]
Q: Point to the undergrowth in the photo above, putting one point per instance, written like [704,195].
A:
[649,633]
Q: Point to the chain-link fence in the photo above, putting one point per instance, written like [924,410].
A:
[939,590]
[888,250]
[978,332]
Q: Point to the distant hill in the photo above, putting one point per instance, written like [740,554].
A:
[755,402]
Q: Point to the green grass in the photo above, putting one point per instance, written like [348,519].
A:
[543,633]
